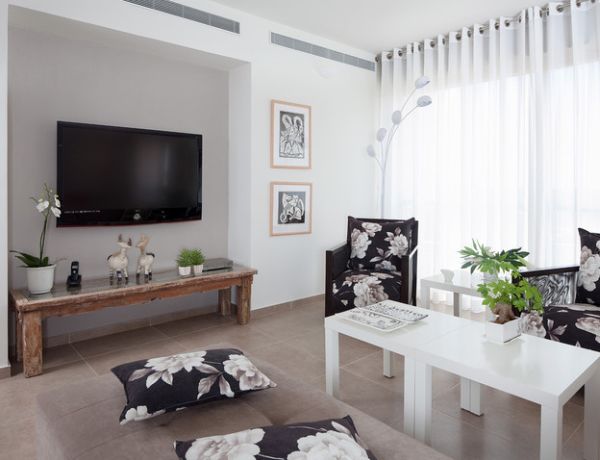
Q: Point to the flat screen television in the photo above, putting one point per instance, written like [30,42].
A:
[119,176]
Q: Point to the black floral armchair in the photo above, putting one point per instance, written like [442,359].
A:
[377,262]
[564,320]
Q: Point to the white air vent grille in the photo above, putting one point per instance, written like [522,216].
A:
[305,47]
[177,9]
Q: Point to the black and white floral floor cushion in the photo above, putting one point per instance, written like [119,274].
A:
[323,440]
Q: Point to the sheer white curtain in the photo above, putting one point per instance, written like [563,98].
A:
[509,152]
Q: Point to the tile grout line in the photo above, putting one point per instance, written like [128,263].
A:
[84,360]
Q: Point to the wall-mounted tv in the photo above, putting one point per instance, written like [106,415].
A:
[119,176]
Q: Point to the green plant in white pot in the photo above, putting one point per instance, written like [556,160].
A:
[507,300]
[185,261]
[40,271]
[197,261]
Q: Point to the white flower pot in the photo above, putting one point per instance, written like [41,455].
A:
[185,271]
[502,333]
[40,280]
[198,269]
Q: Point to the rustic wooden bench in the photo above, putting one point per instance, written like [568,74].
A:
[100,293]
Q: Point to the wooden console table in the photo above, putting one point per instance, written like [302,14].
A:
[99,293]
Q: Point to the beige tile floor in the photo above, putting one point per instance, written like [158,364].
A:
[293,340]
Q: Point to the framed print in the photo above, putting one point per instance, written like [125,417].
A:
[290,135]
[291,208]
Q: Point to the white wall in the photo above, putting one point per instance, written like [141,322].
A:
[342,98]
[53,78]
[3,185]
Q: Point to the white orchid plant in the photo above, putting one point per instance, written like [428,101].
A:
[48,205]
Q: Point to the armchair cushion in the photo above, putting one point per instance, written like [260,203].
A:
[573,324]
[588,285]
[359,288]
[378,244]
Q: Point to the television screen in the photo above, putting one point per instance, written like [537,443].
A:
[116,176]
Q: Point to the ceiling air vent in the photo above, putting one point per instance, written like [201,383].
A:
[182,11]
[305,47]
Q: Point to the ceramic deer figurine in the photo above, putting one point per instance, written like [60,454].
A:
[118,261]
[146,259]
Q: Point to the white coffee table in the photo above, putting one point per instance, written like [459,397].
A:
[539,370]
[403,342]
[463,283]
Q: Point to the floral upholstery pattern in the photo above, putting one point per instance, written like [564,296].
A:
[575,324]
[378,246]
[170,383]
[359,288]
[323,440]
[588,288]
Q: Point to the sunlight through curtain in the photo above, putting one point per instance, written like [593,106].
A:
[509,152]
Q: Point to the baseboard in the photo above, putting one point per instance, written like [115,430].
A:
[101,331]
[299,303]
[5,372]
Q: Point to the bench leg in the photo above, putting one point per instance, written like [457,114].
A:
[19,337]
[244,293]
[225,302]
[32,344]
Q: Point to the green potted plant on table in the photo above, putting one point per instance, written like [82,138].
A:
[508,297]
[507,300]
[197,261]
[185,261]
[40,272]
[491,263]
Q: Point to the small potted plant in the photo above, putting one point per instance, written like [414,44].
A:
[507,299]
[185,261]
[491,263]
[40,272]
[197,261]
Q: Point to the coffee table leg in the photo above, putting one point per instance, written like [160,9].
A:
[423,397]
[470,396]
[425,295]
[409,396]
[332,363]
[591,422]
[388,364]
[551,433]
[456,304]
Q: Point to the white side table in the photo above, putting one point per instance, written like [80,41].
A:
[463,283]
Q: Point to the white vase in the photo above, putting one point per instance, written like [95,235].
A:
[40,280]
[185,271]
[198,269]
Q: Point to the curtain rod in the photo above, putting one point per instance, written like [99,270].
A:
[544,11]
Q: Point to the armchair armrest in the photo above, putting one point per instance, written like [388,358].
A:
[336,261]
[557,285]
[408,268]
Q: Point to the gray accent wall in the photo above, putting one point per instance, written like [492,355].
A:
[53,78]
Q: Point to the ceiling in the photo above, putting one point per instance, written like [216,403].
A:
[376,25]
